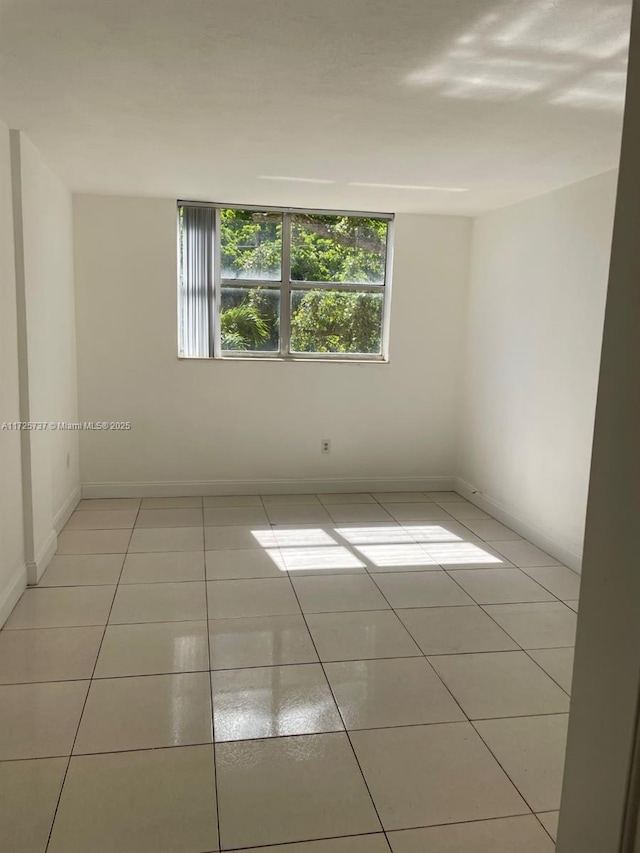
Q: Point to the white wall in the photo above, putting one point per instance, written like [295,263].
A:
[12,559]
[50,308]
[206,421]
[535,314]
[600,809]
[40,468]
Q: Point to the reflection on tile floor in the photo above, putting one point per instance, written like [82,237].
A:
[296,673]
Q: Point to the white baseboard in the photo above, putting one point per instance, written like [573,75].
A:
[563,551]
[36,568]
[11,595]
[64,514]
[265,487]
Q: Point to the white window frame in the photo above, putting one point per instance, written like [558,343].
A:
[285,285]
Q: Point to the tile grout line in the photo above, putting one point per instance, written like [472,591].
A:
[427,661]
[467,718]
[483,607]
[555,680]
[86,699]
[355,756]
[344,730]
[213,733]
[479,733]
[537,815]
[471,722]
[506,568]
[314,613]
[172,673]
[504,770]
[306,841]
[514,639]
[540,583]
[368,834]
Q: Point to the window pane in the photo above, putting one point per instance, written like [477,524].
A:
[250,244]
[338,248]
[336,321]
[250,319]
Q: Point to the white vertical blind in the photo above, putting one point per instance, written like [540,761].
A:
[196,281]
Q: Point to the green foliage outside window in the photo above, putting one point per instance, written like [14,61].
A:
[250,319]
[323,249]
[335,321]
[250,244]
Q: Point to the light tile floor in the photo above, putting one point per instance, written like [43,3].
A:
[294,673]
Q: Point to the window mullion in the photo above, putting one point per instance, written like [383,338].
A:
[386,299]
[248,282]
[337,285]
[285,288]
[217,287]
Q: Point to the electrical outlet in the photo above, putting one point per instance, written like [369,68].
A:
[325,445]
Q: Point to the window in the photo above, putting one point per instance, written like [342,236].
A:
[282,283]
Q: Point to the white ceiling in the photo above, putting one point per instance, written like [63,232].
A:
[223,99]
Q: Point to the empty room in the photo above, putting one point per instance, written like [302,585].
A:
[319,387]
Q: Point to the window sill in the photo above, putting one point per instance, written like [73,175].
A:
[292,360]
